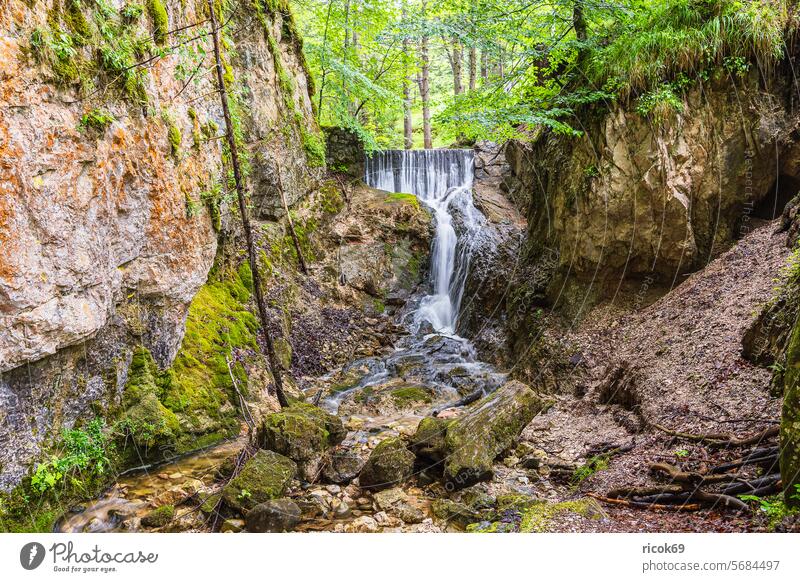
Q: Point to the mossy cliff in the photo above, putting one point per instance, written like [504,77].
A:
[115,201]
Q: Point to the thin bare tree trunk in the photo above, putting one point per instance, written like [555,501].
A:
[408,126]
[458,52]
[345,48]
[473,67]
[484,65]
[274,366]
[324,58]
[424,87]
[290,222]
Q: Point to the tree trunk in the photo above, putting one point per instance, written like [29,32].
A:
[408,128]
[424,93]
[484,66]
[458,52]
[579,20]
[424,86]
[300,259]
[324,59]
[473,66]
[345,48]
[272,359]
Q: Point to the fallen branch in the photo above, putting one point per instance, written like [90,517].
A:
[716,499]
[688,478]
[650,506]
[468,399]
[758,487]
[621,492]
[755,457]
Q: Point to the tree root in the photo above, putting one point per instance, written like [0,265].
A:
[650,506]
[721,440]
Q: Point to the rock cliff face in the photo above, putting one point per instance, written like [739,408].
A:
[111,196]
[636,197]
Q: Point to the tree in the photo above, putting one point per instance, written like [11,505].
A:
[424,85]
[272,359]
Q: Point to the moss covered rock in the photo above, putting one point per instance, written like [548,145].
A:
[389,464]
[428,442]
[265,476]
[145,421]
[159,517]
[469,444]
[492,425]
[303,432]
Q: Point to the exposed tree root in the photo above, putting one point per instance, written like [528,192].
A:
[650,506]
[721,440]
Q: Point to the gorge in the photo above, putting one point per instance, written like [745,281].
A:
[575,311]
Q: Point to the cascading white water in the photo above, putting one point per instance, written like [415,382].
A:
[442,179]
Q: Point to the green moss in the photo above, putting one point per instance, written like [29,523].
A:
[408,395]
[518,512]
[314,146]
[146,422]
[331,200]
[537,517]
[302,432]
[158,13]
[76,21]
[96,119]
[219,322]
[265,476]
[159,517]
[175,138]
[404,198]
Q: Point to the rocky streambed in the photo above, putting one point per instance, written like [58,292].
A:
[409,438]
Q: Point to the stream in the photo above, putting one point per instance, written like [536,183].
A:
[431,367]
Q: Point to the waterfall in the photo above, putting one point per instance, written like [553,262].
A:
[441,179]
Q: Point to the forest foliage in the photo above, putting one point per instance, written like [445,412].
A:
[496,68]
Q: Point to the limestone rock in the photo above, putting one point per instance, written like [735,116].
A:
[342,466]
[276,515]
[303,433]
[389,464]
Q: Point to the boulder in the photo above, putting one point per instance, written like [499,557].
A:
[276,515]
[303,433]
[342,467]
[389,464]
[264,477]
[469,444]
[454,512]
[159,517]
[428,443]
